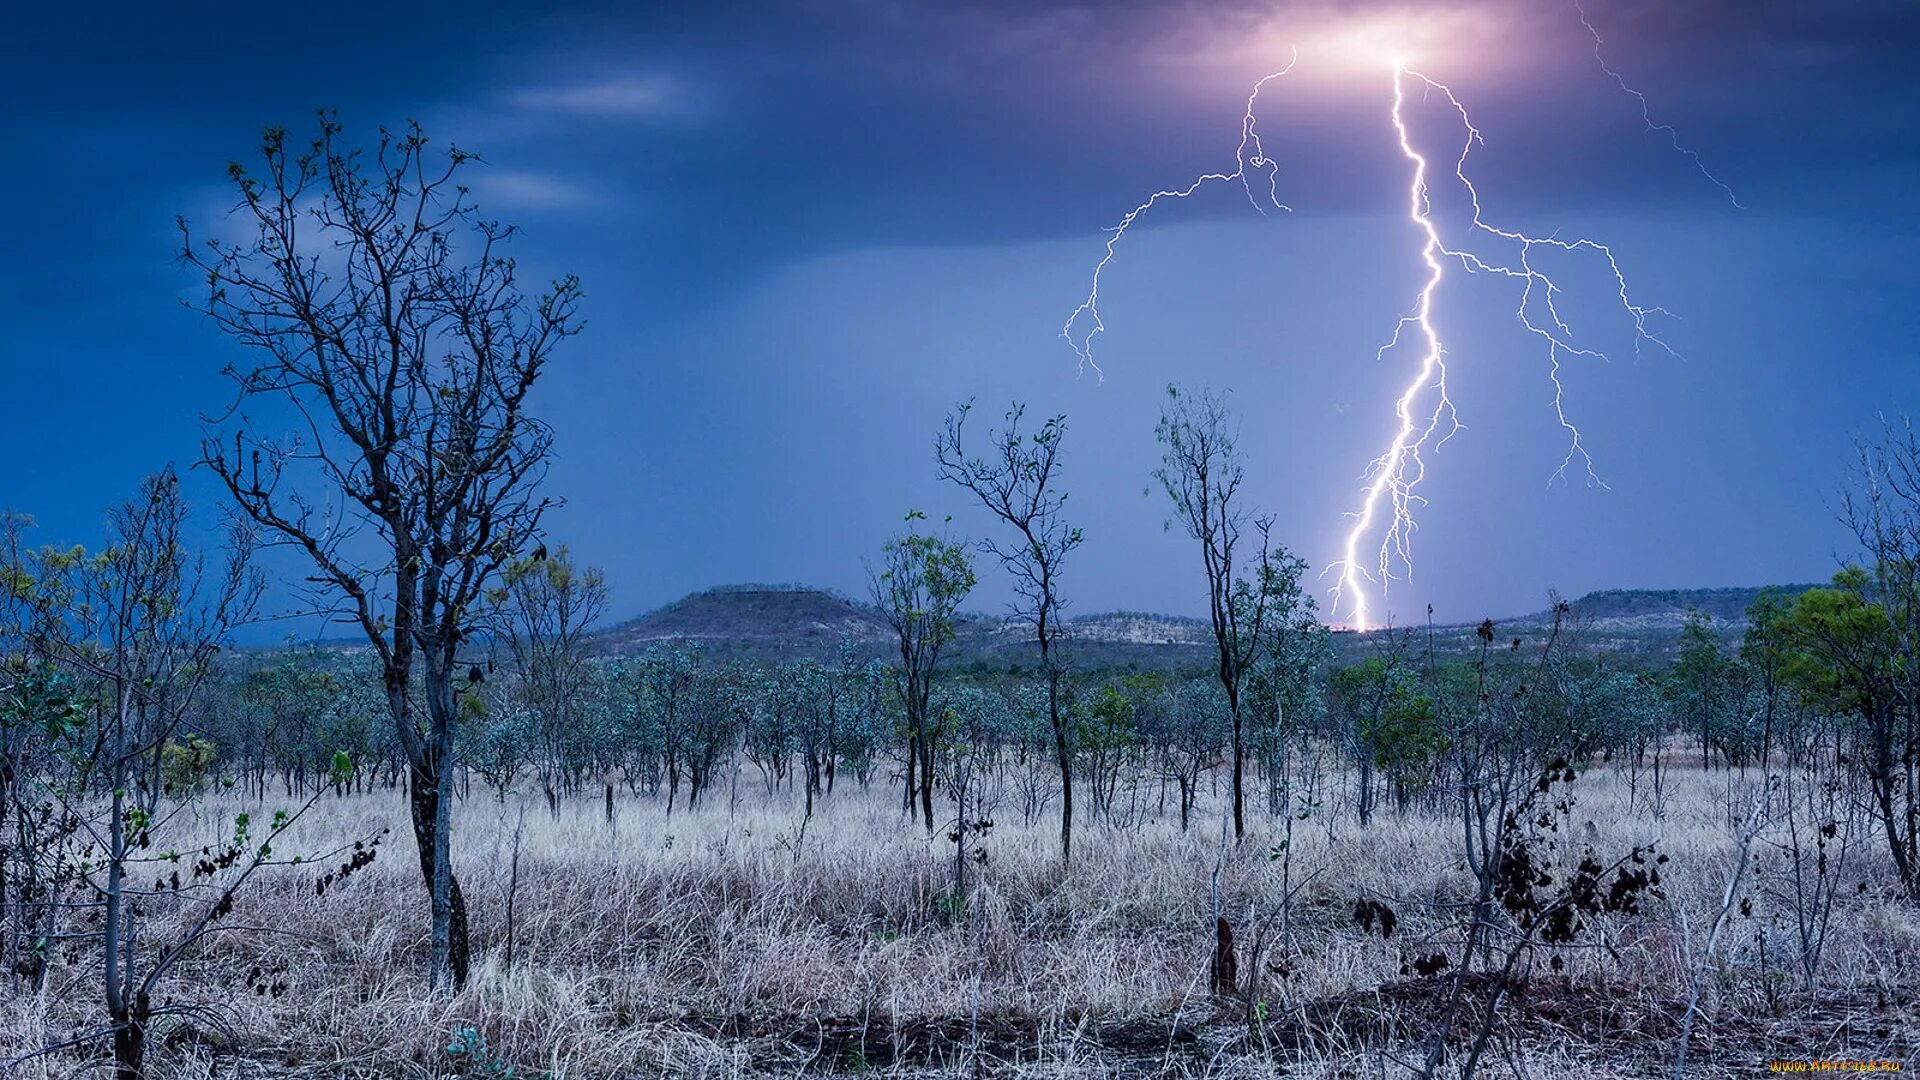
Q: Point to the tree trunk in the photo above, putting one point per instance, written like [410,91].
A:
[1062,753]
[1239,775]
[1366,792]
[926,780]
[130,1039]
[913,768]
[917,704]
[424,803]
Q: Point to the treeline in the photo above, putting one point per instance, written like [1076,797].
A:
[672,722]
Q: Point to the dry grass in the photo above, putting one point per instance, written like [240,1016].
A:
[730,942]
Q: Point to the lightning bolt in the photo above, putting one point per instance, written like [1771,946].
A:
[1424,413]
[1393,476]
[1646,109]
[1085,324]
[1392,479]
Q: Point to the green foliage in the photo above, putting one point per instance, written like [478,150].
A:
[43,699]
[1767,645]
[1840,649]
[1106,721]
[468,1053]
[924,580]
[1395,722]
[186,765]
[1708,688]
[472,706]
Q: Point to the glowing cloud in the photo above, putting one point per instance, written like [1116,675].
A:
[1378,545]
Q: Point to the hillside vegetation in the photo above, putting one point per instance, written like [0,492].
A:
[767,622]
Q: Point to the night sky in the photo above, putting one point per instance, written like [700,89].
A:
[806,230]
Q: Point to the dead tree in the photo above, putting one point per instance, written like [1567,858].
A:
[1201,471]
[382,317]
[542,610]
[1016,481]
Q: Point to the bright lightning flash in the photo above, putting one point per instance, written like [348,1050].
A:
[1426,417]
[1393,476]
[1424,413]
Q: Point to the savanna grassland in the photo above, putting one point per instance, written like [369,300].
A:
[743,939]
[474,828]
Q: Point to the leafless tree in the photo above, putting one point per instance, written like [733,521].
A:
[1016,480]
[1743,839]
[1202,472]
[382,316]
[542,609]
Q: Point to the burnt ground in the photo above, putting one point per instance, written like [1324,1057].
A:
[1611,1031]
[1616,1030]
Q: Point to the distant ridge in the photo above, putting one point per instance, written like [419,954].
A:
[766,621]
[771,621]
[1635,623]
[1724,605]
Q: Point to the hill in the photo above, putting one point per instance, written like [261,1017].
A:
[775,621]
[1670,607]
[755,620]
[790,621]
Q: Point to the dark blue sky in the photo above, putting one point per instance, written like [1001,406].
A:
[807,229]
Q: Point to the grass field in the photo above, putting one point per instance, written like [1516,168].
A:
[738,940]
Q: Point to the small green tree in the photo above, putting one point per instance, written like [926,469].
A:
[142,620]
[1285,687]
[1108,732]
[919,585]
[43,718]
[1394,725]
[1765,651]
[1707,685]
[282,704]
[1187,724]
[1846,655]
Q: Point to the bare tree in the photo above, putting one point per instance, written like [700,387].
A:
[542,608]
[1016,481]
[1510,785]
[1756,820]
[380,308]
[1202,472]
